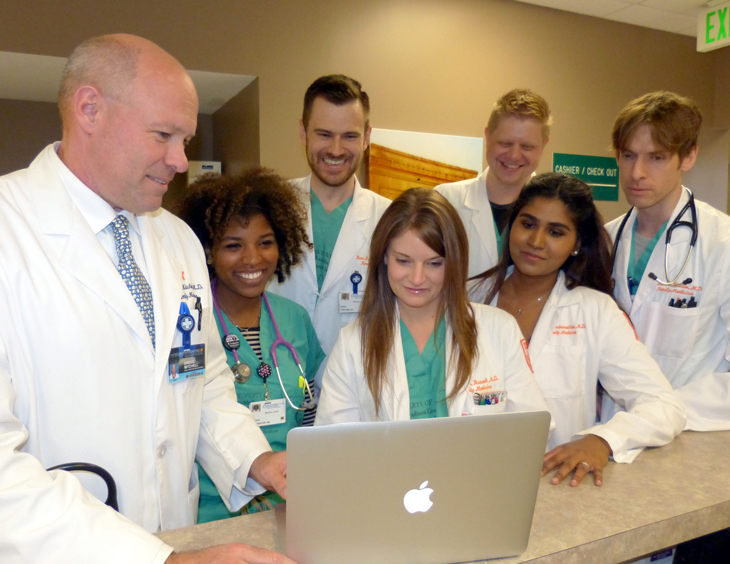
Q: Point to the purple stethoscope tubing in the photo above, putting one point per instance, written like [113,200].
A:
[308,404]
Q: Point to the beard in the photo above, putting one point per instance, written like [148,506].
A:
[330,178]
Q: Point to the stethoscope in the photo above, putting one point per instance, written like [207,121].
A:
[242,371]
[678,222]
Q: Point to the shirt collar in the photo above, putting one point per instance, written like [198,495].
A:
[97,212]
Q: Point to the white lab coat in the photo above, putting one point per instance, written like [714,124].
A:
[470,199]
[351,253]
[691,346]
[582,338]
[80,382]
[502,366]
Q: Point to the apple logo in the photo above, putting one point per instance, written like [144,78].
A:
[416,501]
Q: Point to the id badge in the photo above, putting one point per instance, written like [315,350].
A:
[350,303]
[268,412]
[186,363]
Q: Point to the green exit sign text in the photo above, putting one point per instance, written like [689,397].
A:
[713,28]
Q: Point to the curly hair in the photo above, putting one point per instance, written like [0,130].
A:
[213,201]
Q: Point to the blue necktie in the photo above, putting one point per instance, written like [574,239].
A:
[132,275]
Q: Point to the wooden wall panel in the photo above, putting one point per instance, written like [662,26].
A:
[390,172]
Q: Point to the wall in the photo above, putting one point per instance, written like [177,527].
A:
[25,128]
[201,148]
[429,65]
[237,135]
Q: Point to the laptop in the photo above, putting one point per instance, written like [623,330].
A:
[431,491]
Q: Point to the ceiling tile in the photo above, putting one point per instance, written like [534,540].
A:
[686,7]
[653,18]
[597,8]
[691,31]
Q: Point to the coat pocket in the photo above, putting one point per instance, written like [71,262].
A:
[560,371]
[668,331]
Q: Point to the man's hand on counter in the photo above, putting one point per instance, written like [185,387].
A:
[229,554]
[269,470]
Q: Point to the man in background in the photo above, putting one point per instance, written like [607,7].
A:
[682,314]
[676,291]
[516,135]
[342,215]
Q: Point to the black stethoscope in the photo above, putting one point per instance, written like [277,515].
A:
[678,222]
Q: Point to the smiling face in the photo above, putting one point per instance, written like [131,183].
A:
[514,149]
[415,273]
[245,259]
[138,142]
[651,176]
[335,138]
[542,238]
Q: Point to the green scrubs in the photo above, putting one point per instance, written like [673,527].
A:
[499,235]
[426,373]
[325,230]
[295,327]
[636,268]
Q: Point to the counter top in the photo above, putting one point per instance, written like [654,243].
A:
[666,496]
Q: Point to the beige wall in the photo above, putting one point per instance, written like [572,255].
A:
[429,65]
[201,148]
[237,135]
[25,128]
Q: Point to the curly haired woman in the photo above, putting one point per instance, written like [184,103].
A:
[252,228]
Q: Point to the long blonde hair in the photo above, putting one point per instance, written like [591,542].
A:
[435,221]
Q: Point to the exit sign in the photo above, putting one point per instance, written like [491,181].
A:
[713,28]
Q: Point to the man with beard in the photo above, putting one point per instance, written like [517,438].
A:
[342,215]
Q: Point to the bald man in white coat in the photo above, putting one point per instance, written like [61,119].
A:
[96,289]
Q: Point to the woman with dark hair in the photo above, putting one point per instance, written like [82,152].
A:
[252,228]
[554,277]
[418,342]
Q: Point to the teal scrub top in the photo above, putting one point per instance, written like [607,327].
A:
[637,268]
[325,230]
[296,327]
[426,373]
[500,238]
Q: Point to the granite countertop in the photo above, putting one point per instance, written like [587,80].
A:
[666,496]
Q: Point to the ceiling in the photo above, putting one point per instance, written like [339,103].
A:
[676,16]
[36,77]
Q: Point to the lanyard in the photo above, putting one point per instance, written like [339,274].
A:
[635,271]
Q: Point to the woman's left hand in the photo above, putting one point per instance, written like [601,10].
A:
[589,454]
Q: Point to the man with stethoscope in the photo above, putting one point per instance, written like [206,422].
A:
[342,215]
[672,256]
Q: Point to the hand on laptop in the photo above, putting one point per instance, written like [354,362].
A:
[269,470]
[588,454]
[229,554]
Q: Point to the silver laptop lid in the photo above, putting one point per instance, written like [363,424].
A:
[476,478]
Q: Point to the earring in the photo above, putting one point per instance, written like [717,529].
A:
[575,253]
[209,260]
